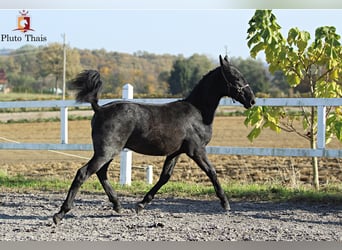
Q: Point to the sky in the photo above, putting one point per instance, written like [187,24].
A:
[161,31]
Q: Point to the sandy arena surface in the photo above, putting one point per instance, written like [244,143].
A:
[29,217]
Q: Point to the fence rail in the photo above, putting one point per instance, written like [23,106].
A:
[320,103]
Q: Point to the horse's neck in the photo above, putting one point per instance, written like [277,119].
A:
[205,99]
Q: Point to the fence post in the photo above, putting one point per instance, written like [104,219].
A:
[125,167]
[149,174]
[321,111]
[64,125]
[126,155]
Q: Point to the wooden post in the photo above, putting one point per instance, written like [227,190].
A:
[126,155]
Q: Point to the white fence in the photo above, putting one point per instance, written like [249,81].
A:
[126,160]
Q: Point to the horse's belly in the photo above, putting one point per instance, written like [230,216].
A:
[158,146]
[148,151]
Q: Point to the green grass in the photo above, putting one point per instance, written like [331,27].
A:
[27,97]
[235,191]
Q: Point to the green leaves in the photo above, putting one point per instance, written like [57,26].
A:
[264,35]
[262,117]
[326,89]
[256,49]
[328,44]
[298,38]
[338,129]
[254,118]
[334,124]
[318,64]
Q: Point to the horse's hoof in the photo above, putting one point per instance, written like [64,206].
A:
[225,206]
[56,219]
[139,207]
[117,208]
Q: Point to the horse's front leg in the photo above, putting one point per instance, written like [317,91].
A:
[200,157]
[165,175]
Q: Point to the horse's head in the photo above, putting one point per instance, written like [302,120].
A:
[237,86]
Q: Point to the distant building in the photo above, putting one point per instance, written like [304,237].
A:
[3,82]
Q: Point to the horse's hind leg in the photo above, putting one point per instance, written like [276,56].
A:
[102,175]
[165,175]
[82,175]
[200,157]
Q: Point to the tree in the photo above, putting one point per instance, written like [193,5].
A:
[149,73]
[50,60]
[21,66]
[26,58]
[279,81]
[318,63]
[255,73]
[179,76]
[186,73]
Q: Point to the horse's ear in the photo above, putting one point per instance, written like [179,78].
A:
[221,63]
[224,62]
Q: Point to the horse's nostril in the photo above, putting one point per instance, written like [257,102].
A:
[252,102]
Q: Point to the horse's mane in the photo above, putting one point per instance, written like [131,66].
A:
[204,98]
[202,87]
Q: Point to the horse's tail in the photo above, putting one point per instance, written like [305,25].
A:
[88,85]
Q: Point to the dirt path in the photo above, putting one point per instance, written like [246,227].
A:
[5,117]
[29,217]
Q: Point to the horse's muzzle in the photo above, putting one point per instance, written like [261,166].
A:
[250,104]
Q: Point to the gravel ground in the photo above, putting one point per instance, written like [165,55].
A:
[29,217]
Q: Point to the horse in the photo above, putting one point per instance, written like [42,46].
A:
[180,127]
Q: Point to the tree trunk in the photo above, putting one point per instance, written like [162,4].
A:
[315,177]
[314,160]
[56,86]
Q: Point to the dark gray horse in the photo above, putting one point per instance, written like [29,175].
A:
[183,126]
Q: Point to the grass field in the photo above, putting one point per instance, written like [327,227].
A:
[26,97]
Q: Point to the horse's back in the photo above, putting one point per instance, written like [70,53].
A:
[127,112]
